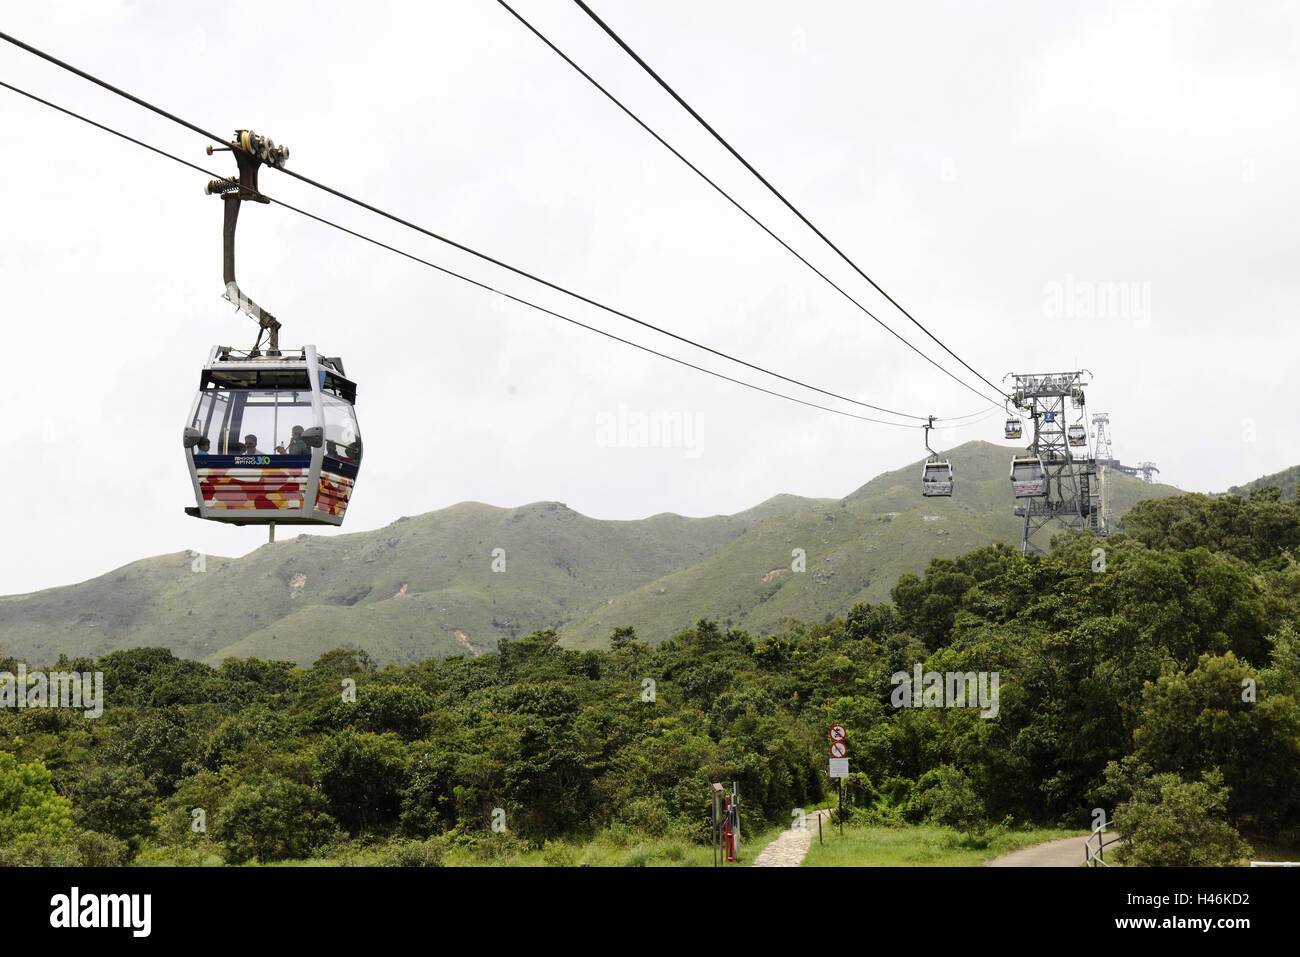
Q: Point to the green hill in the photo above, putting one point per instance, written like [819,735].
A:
[855,550]
[418,588]
[424,587]
[1286,480]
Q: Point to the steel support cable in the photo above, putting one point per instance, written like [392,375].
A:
[449,272]
[592,302]
[106,85]
[777,193]
[457,245]
[752,218]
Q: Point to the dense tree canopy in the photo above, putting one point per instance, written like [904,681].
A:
[1160,676]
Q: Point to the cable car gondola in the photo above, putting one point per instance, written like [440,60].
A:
[272,439]
[1014,428]
[936,473]
[1077,435]
[936,478]
[1028,477]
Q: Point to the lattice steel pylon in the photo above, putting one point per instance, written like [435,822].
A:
[1073,496]
[1101,446]
[1105,456]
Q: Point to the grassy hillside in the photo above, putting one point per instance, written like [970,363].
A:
[418,588]
[1286,480]
[424,587]
[855,550]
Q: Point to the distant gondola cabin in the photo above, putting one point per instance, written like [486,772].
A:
[936,478]
[1028,477]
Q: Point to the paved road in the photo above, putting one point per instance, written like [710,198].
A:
[790,846]
[1067,852]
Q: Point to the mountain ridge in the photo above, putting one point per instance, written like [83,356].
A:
[423,586]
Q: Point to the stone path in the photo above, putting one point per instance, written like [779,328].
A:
[790,846]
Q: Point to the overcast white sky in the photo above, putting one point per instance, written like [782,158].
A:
[976,159]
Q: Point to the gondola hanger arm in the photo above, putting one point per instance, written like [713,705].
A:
[251,151]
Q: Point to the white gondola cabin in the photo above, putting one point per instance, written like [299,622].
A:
[1077,435]
[936,478]
[273,440]
[1014,428]
[1028,477]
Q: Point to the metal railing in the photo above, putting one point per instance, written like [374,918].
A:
[1092,857]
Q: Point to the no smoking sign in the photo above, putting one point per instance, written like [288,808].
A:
[839,766]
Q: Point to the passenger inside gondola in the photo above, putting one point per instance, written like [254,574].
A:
[264,422]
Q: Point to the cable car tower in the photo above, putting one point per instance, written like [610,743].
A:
[1105,456]
[1101,438]
[1061,487]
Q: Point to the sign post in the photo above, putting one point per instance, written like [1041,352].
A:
[715,809]
[839,766]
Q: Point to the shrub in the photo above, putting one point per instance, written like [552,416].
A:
[102,850]
[559,854]
[426,853]
[116,801]
[34,853]
[1172,823]
[273,820]
[362,776]
[31,811]
[647,814]
[950,800]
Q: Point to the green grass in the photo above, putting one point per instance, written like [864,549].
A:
[608,849]
[920,846]
[605,849]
